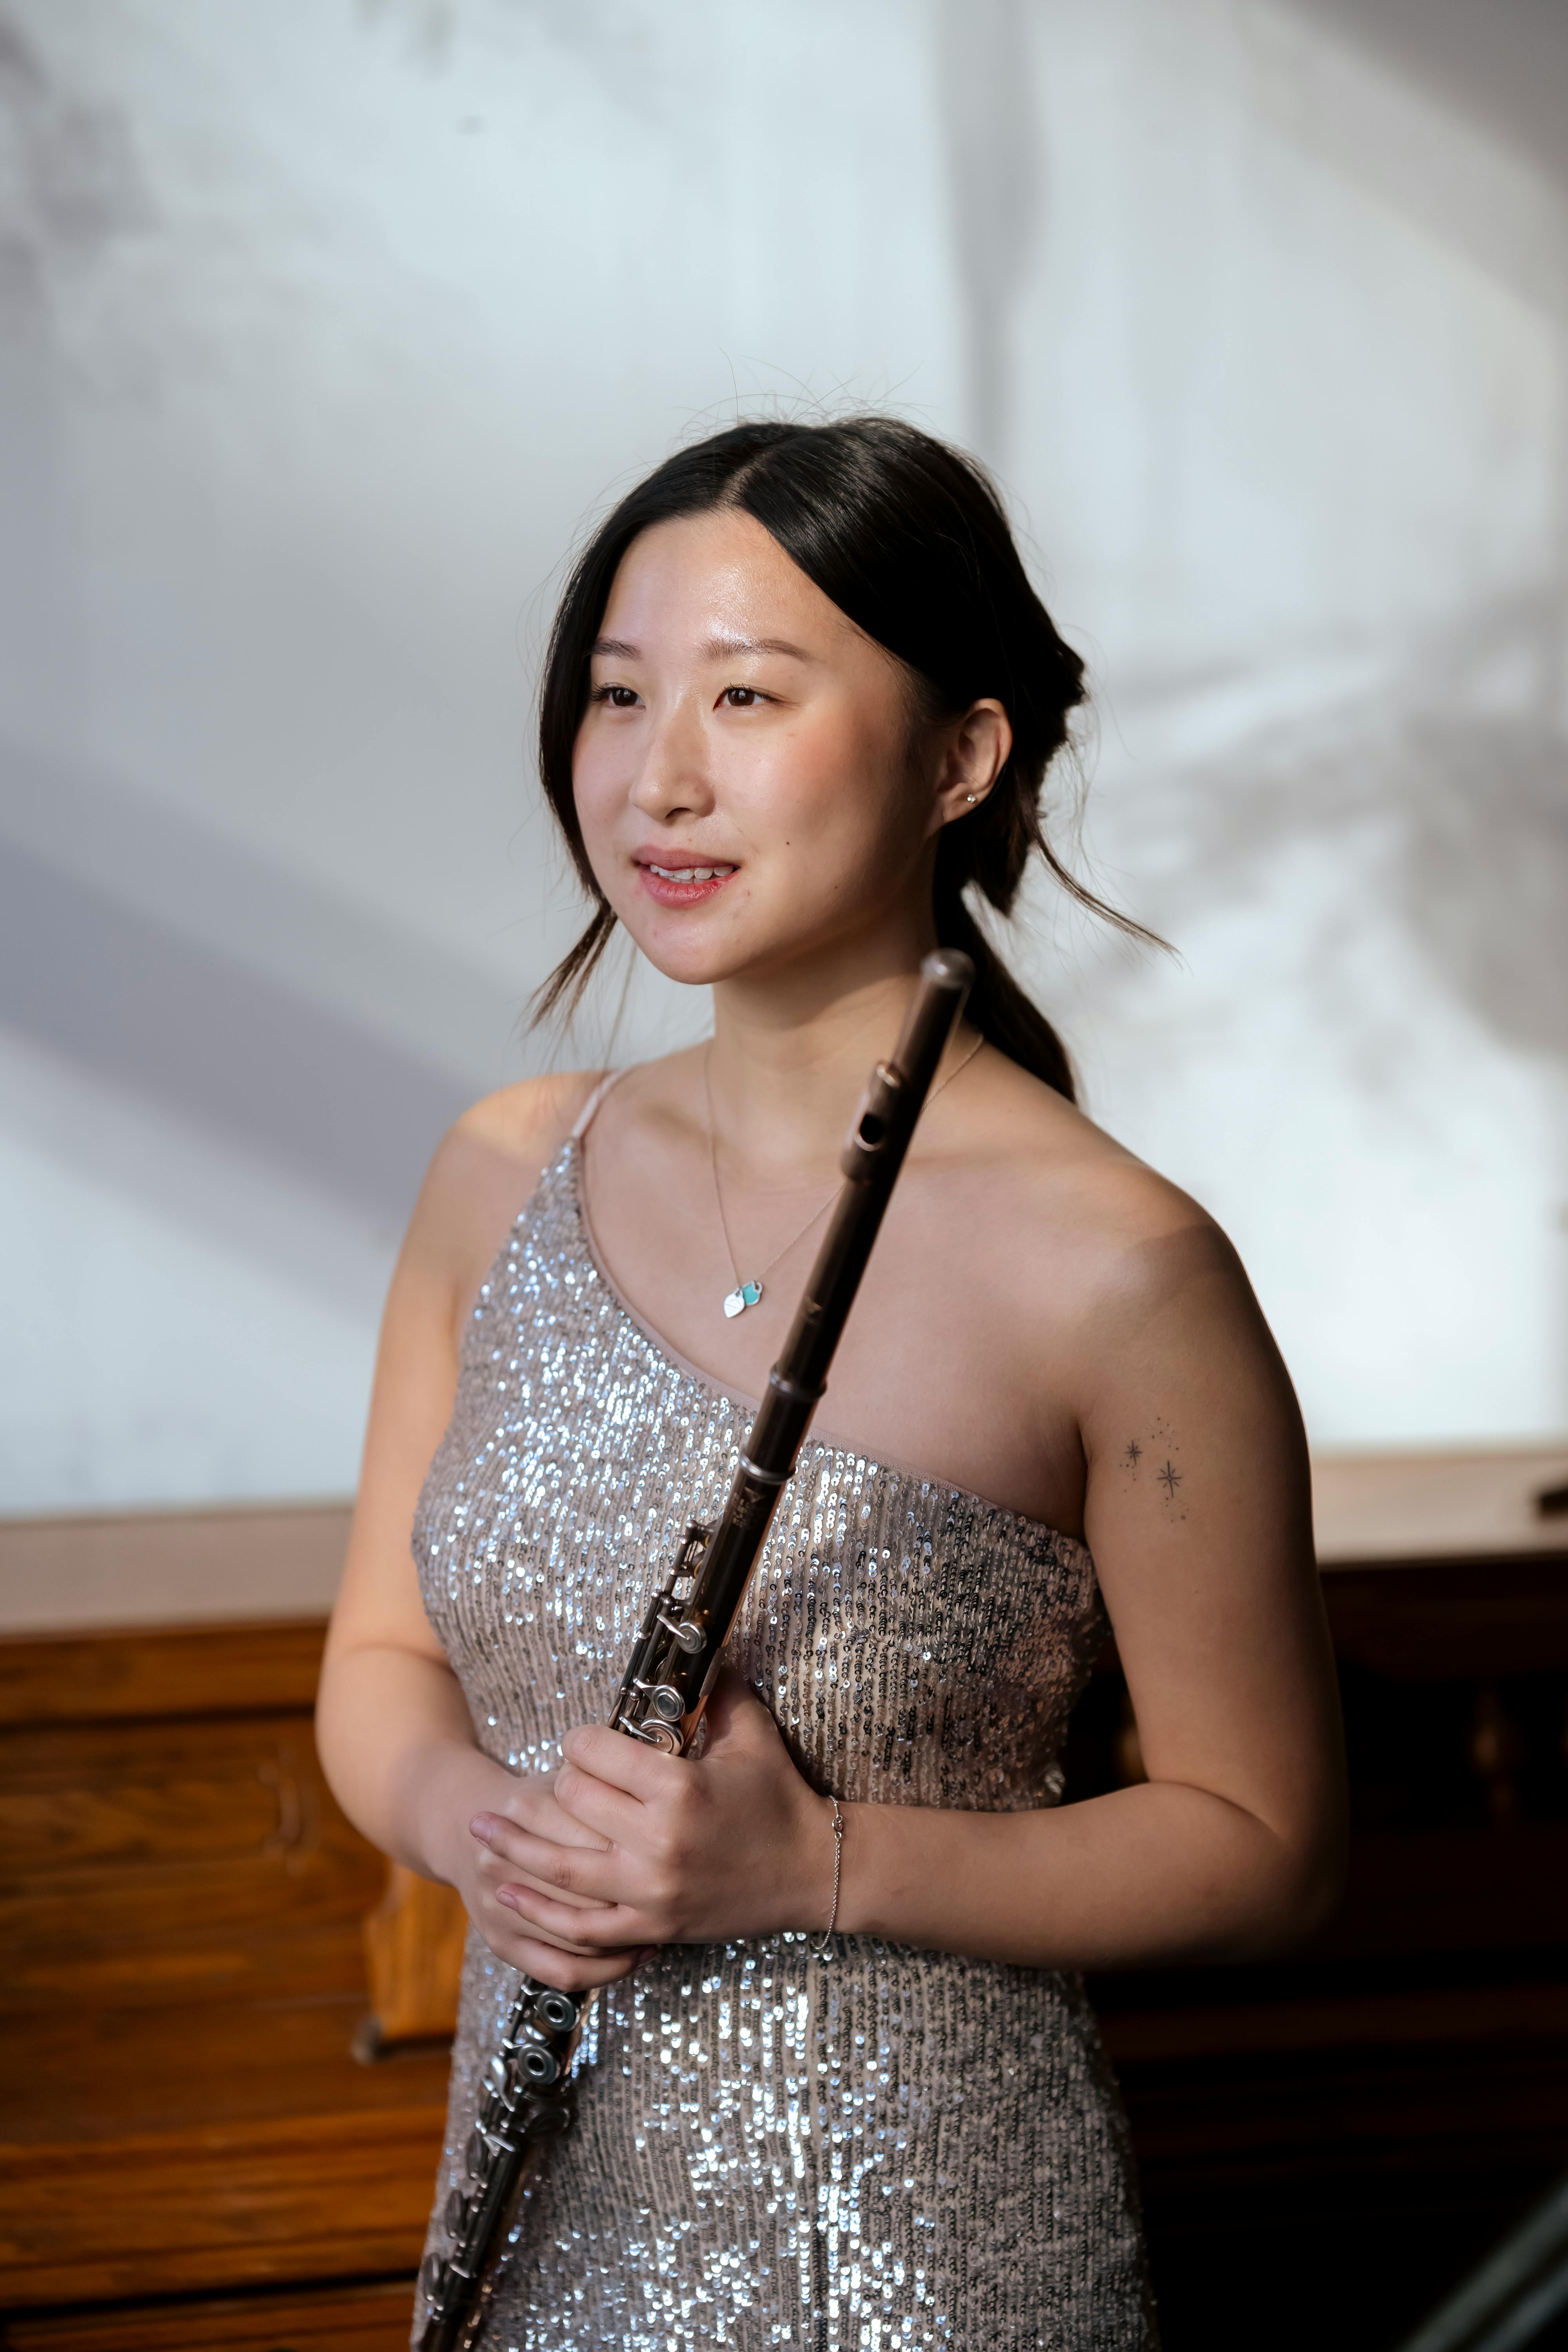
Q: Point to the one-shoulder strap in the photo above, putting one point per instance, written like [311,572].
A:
[585,1115]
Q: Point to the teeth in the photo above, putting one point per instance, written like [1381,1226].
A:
[689,873]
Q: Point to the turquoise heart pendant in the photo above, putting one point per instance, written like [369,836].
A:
[746,1294]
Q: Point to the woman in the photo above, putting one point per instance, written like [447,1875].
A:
[799,695]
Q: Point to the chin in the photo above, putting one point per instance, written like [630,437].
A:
[693,960]
[699,948]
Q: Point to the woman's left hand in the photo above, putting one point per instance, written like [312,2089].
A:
[697,1850]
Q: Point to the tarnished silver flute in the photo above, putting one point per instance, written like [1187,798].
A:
[527,2098]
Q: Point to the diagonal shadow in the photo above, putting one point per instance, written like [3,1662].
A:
[288,1082]
[1476,798]
[189,879]
[1504,65]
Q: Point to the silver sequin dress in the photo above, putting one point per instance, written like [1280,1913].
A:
[886,2148]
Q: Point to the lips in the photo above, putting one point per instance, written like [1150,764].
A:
[676,879]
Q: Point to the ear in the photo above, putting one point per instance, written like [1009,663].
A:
[974,751]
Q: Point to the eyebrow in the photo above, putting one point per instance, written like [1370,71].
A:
[618,648]
[722,643]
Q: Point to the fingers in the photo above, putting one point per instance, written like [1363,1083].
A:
[597,1811]
[537,1808]
[631,1765]
[586,1930]
[574,1875]
[550,1941]
[569,1894]
[567,1971]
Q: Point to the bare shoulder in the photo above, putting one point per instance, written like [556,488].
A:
[483,1171]
[1108,1233]
[521,1124]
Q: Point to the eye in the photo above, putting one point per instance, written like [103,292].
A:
[615,697]
[741,698]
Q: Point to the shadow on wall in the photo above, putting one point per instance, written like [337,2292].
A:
[254,1033]
[1505,65]
[1458,755]
[78,181]
[1460,763]
[182,1028]
[993,142]
[1487,872]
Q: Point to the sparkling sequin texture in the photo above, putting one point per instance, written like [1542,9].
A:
[885,2148]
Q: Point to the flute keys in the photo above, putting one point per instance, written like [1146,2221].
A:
[558,2010]
[476,2155]
[538,2064]
[434,2278]
[458,2215]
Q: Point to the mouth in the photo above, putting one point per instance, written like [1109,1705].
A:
[675,881]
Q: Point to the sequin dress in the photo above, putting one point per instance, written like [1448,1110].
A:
[886,2147]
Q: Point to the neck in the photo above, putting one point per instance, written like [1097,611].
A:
[792,1051]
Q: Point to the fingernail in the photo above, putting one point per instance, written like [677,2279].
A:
[507,1895]
[482,1827]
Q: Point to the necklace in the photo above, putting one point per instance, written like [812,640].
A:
[747,1294]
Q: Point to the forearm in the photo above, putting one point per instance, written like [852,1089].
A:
[1158,1873]
[399,1751]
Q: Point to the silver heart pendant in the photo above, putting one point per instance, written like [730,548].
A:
[744,1295]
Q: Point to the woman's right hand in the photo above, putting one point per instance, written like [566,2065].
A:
[469,1787]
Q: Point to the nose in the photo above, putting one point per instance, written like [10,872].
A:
[673,780]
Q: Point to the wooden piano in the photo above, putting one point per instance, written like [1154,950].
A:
[215,2131]
[190,2153]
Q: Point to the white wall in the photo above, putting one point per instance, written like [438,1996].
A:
[323,328]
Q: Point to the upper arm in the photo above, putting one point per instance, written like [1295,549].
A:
[477,1182]
[1198,1514]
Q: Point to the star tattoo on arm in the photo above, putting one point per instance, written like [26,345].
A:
[1133,1455]
[1170,1478]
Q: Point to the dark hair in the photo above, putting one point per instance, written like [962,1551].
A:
[910,539]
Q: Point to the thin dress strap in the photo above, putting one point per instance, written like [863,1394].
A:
[585,1115]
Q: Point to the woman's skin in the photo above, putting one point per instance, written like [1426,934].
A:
[1045,1321]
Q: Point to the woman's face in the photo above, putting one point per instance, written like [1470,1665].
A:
[742,771]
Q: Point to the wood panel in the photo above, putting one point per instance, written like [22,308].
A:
[1364,2116]
[93,2073]
[191,1852]
[1456,1618]
[373,2318]
[182,1975]
[181,1670]
[413,1943]
[313,2196]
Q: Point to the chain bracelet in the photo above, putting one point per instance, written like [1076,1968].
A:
[820,1951]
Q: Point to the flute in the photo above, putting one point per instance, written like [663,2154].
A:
[674,1661]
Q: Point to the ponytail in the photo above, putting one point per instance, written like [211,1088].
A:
[997,1007]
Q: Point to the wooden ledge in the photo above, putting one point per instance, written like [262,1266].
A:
[317,2197]
[369,2316]
[240,1668]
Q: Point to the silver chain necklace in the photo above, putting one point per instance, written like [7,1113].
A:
[748,1294]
